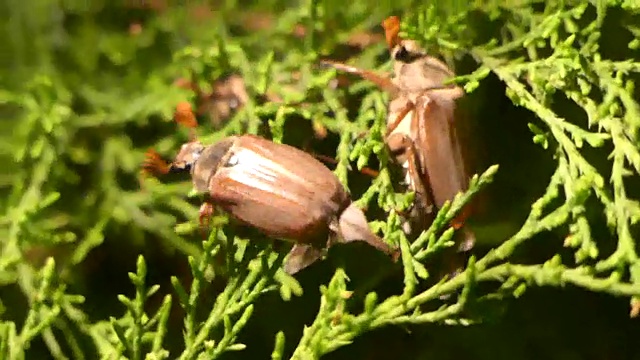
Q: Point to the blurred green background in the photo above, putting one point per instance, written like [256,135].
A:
[87,86]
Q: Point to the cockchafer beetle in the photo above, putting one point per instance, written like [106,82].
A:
[422,130]
[278,189]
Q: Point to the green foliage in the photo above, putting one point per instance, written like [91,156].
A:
[87,87]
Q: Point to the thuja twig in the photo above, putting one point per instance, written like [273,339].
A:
[335,327]
[241,291]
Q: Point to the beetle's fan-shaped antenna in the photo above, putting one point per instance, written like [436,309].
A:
[391,27]
[153,164]
[184,116]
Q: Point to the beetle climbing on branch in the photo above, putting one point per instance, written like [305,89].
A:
[278,189]
[421,128]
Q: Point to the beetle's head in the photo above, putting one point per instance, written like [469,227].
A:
[407,51]
[187,156]
[402,50]
[189,152]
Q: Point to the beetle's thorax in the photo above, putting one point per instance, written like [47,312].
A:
[415,71]
[207,163]
[407,51]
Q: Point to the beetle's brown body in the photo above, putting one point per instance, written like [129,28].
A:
[281,191]
[292,195]
[422,127]
[430,125]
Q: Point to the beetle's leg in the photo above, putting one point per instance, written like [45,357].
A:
[401,115]
[383,82]
[328,159]
[397,147]
[415,174]
[301,256]
[206,211]
[392,126]
[406,154]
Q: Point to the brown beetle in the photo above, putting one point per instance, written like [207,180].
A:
[278,189]
[421,126]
